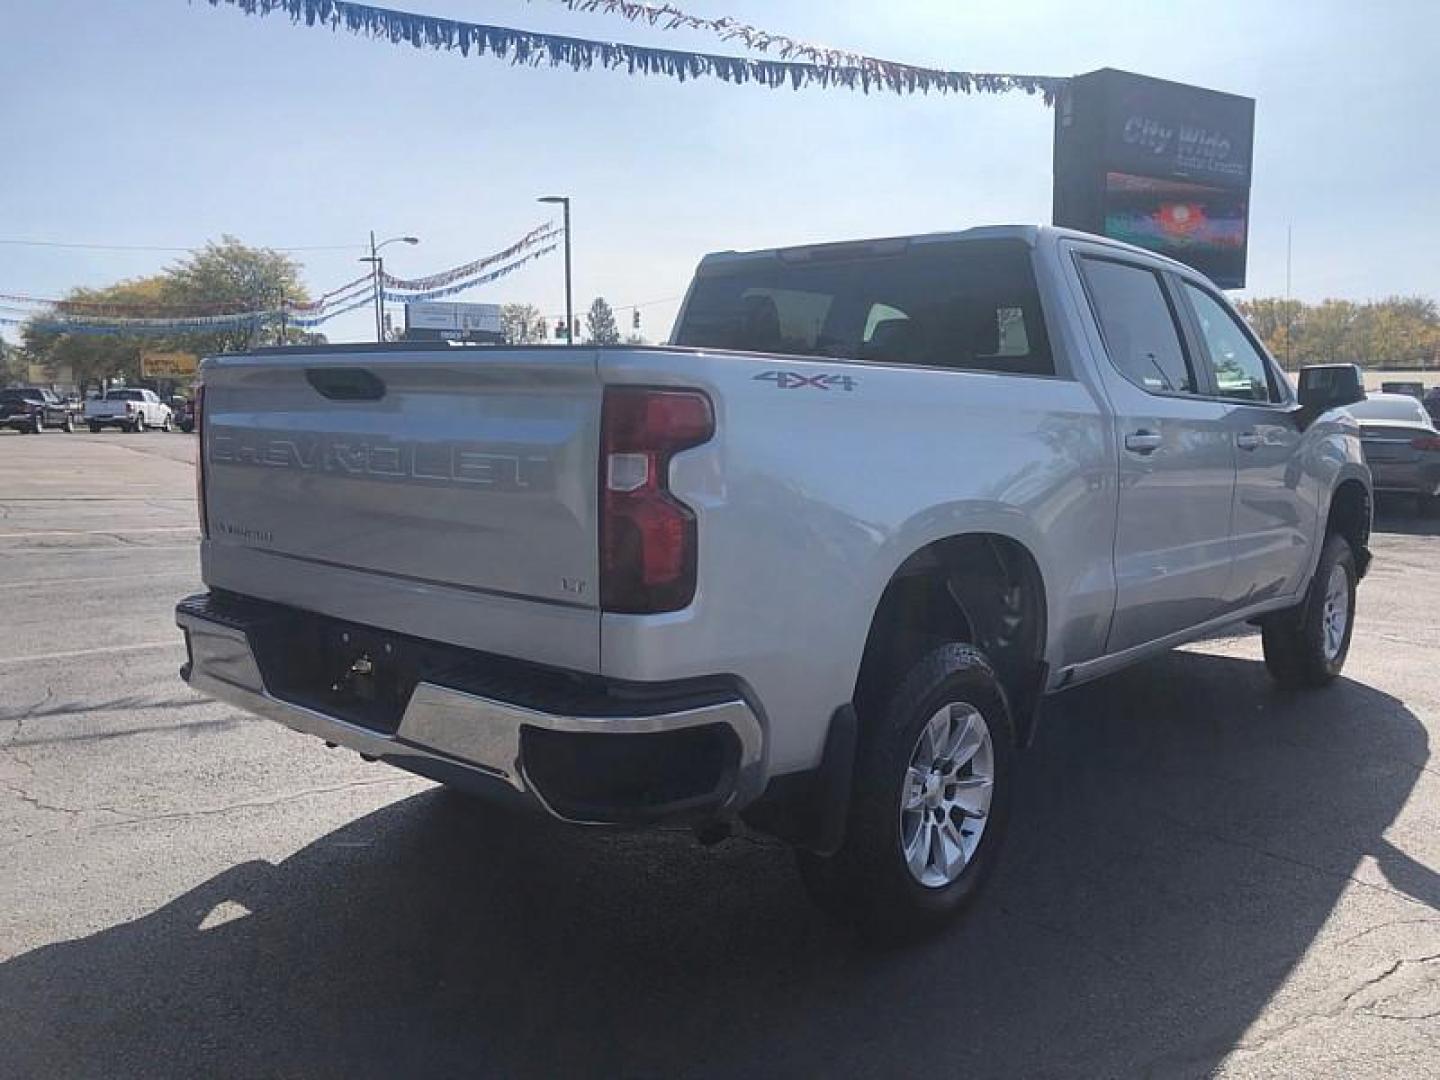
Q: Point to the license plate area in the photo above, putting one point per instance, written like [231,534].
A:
[354,673]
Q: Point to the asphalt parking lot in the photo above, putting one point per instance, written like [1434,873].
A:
[1205,875]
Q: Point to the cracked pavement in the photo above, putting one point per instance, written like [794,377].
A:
[1205,876]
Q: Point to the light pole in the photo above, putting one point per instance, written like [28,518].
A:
[377,271]
[564,200]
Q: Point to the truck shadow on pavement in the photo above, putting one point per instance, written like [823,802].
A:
[1182,831]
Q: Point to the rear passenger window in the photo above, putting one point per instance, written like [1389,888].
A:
[1138,326]
[970,304]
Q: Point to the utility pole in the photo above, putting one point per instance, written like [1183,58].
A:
[564,200]
[377,271]
[282,316]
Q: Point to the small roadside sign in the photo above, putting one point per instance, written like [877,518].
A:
[168,365]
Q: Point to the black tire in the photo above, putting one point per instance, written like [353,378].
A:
[169,425]
[1296,651]
[868,882]
[94,429]
[69,426]
[138,425]
[37,424]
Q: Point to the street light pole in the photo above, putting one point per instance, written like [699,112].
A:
[564,201]
[377,269]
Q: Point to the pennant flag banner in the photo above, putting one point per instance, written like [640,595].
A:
[668,17]
[102,307]
[535,236]
[364,301]
[334,296]
[485,279]
[535,49]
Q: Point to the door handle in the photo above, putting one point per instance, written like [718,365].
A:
[1142,442]
[1247,440]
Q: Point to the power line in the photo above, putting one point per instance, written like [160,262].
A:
[155,247]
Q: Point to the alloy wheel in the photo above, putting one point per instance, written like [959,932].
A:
[945,798]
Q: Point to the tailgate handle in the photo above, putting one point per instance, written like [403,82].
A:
[346,383]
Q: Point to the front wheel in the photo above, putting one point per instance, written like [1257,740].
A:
[168,426]
[37,424]
[930,803]
[139,425]
[1306,647]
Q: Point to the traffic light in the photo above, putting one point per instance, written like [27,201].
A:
[635,319]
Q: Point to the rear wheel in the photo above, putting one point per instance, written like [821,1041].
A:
[139,425]
[930,803]
[1307,646]
[69,426]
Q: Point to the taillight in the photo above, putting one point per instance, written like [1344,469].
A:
[1426,442]
[200,460]
[647,536]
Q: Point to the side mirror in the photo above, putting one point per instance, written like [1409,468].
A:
[1330,386]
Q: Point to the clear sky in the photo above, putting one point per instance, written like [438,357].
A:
[167,122]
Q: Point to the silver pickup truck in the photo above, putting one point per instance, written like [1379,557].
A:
[813,567]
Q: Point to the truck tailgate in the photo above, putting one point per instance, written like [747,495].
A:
[447,493]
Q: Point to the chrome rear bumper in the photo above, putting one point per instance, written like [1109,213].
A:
[462,737]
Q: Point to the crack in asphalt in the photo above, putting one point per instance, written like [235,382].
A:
[1386,925]
[38,712]
[131,818]
[1292,860]
[1343,1006]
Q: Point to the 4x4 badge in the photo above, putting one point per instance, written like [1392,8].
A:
[793,380]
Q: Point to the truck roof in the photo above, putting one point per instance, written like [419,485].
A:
[1030,235]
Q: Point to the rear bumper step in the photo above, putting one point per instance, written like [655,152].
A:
[589,752]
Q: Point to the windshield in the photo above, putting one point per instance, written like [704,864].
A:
[22,395]
[968,304]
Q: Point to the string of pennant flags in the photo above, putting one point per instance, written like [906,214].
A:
[65,316]
[535,236]
[819,67]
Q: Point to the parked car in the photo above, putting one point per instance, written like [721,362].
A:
[132,409]
[813,567]
[1431,402]
[1415,390]
[184,410]
[1401,445]
[33,409]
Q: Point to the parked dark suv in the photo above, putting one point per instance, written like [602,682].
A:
[32,409]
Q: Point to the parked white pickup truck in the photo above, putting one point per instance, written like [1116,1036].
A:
[131,409]
[814,567]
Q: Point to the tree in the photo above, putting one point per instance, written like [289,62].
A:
[90,358]
[600,323]
[522,324]
[1400,331]
[12,364]
[230,277]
